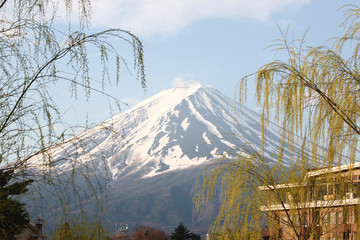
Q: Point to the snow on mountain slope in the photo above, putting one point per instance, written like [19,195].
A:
[174,129]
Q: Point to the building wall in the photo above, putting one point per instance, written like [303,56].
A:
[327,208]
[332,224]
[31,232]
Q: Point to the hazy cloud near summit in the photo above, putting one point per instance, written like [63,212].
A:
[180,82]
[167,17]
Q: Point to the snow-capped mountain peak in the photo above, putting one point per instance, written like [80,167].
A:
[174,129]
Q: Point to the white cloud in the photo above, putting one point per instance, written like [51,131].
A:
[180,82]
[167,17]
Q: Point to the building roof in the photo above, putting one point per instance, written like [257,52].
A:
[340,168]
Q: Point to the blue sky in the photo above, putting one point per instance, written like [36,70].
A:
[212,42]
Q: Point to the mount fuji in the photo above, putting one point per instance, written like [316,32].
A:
[149,157]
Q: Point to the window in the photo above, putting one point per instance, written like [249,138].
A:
[332,218]
[330,190]
[322,190]
[340,190]
[295,220]
[346,215]
[305,219]
[339,217]
[356,189]
[325,219]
